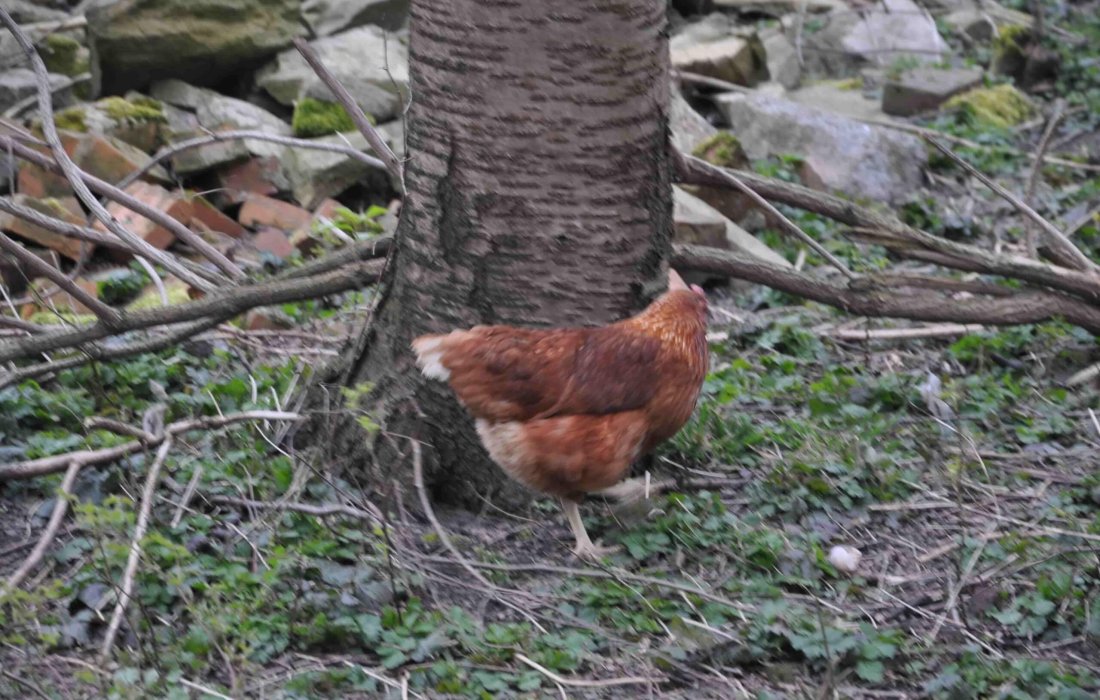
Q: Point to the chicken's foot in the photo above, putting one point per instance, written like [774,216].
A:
[585,548]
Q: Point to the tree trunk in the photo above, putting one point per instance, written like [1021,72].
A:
[538,194]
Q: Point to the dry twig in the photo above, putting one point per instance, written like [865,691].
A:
[126,586]
[60,508]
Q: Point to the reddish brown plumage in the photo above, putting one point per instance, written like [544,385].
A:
[566,411]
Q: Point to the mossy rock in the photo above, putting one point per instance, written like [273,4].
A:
[1001,106]
[63,54]
[72,119]
[313,117]
[135,119]
[136,108]
[723,149]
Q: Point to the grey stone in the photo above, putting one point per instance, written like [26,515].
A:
[972,22]
[135,42]
[735,59]
[328,17]
[18,83]
[854,158]
[315,175]
[698,223]
[879,34]
[178,93]
[838,99]
[358,58]
[923,89]
[688,127]
[217,112]
[782,58]
[26,12]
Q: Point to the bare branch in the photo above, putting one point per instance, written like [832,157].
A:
[1037,169]
[51,465]
[219,136]
[905,239]
[106,315]
[230,302]
[63,228]
[74,175]
[60,508]
[354,111]
[865,298]
[1060,245]
[94,352]
[130,202]
[788,226]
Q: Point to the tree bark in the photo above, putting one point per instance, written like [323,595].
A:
[538,194]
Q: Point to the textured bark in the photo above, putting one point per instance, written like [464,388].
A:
[538,194]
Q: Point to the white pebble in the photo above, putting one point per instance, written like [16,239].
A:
[845,558]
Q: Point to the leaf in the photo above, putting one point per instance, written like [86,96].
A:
[1042,606]
[1007,617]
[871,671]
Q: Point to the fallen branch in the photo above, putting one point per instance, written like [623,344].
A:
[945,330]
[95,352]
[1061,247]
[582,683]
[225,304]
[219,136]
[60,508]
[52,465]
[787,225]
[106,315]
[901,238]
[864,298]
[126,587]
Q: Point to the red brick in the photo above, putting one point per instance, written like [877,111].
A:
[274,241]
[65,208]
[60,300]
[258,211]
[255,176]
[171,203]
[213,219]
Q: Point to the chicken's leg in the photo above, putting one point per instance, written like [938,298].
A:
[585,548]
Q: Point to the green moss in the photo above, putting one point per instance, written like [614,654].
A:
[150,297]
[723,149]
[1001,106]
[319,118]
[136,109]
[63,54]
[49,318]
[71,119]
[1013,37]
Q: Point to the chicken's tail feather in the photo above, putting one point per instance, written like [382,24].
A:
[429,356]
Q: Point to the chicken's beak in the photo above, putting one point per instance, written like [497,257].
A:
[675,281]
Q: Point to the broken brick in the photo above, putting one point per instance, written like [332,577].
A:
[214,219]
[259,210]
[66,209]
[171,203]
[59,300]
[255,176]
[273,241]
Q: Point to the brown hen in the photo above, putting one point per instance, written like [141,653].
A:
[566,411]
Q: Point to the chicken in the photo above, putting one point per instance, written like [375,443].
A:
[566,411]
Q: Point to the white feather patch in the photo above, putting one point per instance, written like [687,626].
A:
[429,358]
